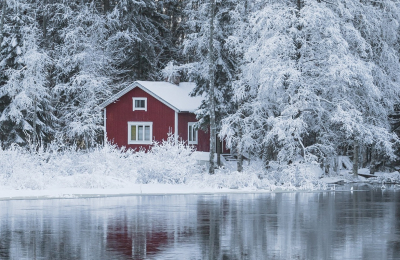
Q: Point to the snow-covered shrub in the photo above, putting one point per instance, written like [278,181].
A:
[101,167]
[20,170]
[302,175]
[168,161]
[229,178]
[297,176]
[104,167]
[387,178]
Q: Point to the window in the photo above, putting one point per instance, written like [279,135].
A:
[192,133]
[140,132]
[140,104]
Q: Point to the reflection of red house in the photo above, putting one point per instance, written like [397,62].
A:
[136,245]
[147,111]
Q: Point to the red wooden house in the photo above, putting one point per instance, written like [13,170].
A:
[147,111]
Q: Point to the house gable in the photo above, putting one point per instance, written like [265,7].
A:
[130,88]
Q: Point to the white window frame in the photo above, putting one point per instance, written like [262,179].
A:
[139,108]
[194,131]
[137,132]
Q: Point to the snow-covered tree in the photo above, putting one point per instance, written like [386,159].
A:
[309,83]
[140,41]
[378,24]
[174,30]
[26,111]
[233,119]
[82,66]
[209,63]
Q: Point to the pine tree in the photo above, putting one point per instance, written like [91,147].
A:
[139,41]
[233,120]
[26,111]
[208,62]
[82,69]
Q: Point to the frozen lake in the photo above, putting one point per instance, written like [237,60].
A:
[363,224]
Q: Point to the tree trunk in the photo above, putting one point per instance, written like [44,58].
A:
[336,164]
[364,156]
[219,152]
[106,5]
[372,163]
[211,92]
[239,162]
[239,151]
[355,158]
[45,22]
[239,166]
[299,4]
[34,123]
[140,62]
[376,162]
[3,14]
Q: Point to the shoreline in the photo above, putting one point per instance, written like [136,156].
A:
[148,190]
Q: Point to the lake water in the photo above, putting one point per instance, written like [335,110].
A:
[362,224]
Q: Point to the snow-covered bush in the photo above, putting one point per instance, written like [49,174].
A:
[20,170]
[227,179]
[102,167]
[387,178]
[298,176]
[168,161]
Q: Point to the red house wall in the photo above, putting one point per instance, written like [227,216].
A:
[119,113]
[203,137]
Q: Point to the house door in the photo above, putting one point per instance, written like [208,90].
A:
[222,146]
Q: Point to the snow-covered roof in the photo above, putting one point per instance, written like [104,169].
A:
[175,96]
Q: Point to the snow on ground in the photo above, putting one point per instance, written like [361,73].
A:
[166,169]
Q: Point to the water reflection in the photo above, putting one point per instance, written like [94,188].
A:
[325,225]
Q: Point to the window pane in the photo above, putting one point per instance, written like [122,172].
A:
[140,103]
[133,132]
[190,133]
[140,132]
[147,133]
[194,135]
